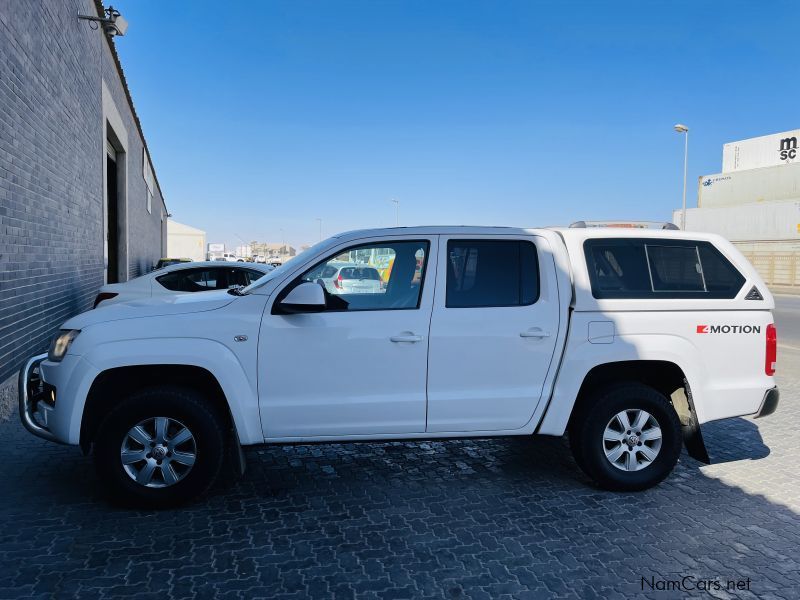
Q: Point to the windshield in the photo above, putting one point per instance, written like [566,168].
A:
[287,266]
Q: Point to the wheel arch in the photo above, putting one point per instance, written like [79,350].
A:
[579,376]
[133,378]
[662,375]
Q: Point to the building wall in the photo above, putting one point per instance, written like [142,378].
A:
[185,242]
[52,158]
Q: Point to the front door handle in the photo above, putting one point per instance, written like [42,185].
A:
[535,332]
[408,337]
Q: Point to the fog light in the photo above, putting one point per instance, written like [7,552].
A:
[48,394]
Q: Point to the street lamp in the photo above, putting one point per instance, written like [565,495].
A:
[680,128]
[396,212]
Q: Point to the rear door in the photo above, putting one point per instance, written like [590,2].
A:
[493,332]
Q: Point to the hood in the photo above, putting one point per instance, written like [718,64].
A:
[177,304]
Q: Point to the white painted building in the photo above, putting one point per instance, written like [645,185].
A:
[184,241]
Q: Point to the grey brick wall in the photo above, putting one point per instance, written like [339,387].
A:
[51,173]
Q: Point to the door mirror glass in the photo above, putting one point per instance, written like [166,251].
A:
[305,298]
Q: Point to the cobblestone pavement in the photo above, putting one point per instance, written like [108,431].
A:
[509,518]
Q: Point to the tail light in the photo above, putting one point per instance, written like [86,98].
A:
[104,296]
[337,283]
[772,350]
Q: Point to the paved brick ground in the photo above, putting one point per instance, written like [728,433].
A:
[510,518]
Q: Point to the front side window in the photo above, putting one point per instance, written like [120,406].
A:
[483,273]
[651,268]
[385,276]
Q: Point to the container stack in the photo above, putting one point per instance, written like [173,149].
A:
[755,203]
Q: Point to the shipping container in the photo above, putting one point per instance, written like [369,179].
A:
[746,187]
[765,151]
[773,221]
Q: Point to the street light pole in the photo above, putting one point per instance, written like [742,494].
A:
[396,212]
[685,131]
[320,228]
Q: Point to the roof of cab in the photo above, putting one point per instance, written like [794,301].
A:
[437,230]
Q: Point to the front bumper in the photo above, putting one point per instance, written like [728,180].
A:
[770,403]
[33,410]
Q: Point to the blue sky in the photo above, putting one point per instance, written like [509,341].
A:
[266,115]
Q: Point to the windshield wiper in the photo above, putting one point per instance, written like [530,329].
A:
[237,291]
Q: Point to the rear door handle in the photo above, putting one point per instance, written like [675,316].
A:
[406,337]
[535,332]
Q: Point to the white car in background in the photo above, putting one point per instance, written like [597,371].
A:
[182,278]
[227,257]
[348,278]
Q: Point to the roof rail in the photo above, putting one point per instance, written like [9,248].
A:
[625,224]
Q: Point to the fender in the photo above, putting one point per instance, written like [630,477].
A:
[581,356]
[240,392]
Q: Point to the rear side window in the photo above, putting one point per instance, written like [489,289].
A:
[483,273]
[189,280]
[652,268]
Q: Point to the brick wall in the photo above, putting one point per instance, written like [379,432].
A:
[51,173]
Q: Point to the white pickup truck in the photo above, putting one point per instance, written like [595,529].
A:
[627,339]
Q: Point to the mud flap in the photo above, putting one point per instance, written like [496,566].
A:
[239,461]
[692,436]
[693,440]
[235,462]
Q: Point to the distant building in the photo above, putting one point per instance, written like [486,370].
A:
[269,249]
[80,203]
[185,242]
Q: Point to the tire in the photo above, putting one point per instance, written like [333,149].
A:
[612,454]
[160,475]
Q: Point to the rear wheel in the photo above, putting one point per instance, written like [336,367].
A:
[626,437]
[160,447]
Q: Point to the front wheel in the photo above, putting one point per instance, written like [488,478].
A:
[626,437]
[160,447]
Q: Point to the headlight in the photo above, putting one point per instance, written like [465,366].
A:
[61,344]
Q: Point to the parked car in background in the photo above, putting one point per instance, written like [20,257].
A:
[165,262]
[181,278]
[227,257]
[325,275]
[351,279]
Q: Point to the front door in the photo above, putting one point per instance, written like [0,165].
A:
[360,366]
[493,332]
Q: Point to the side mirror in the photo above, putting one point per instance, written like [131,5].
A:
[305,298]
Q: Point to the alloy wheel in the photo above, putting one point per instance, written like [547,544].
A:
[158,452]
[632,440]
